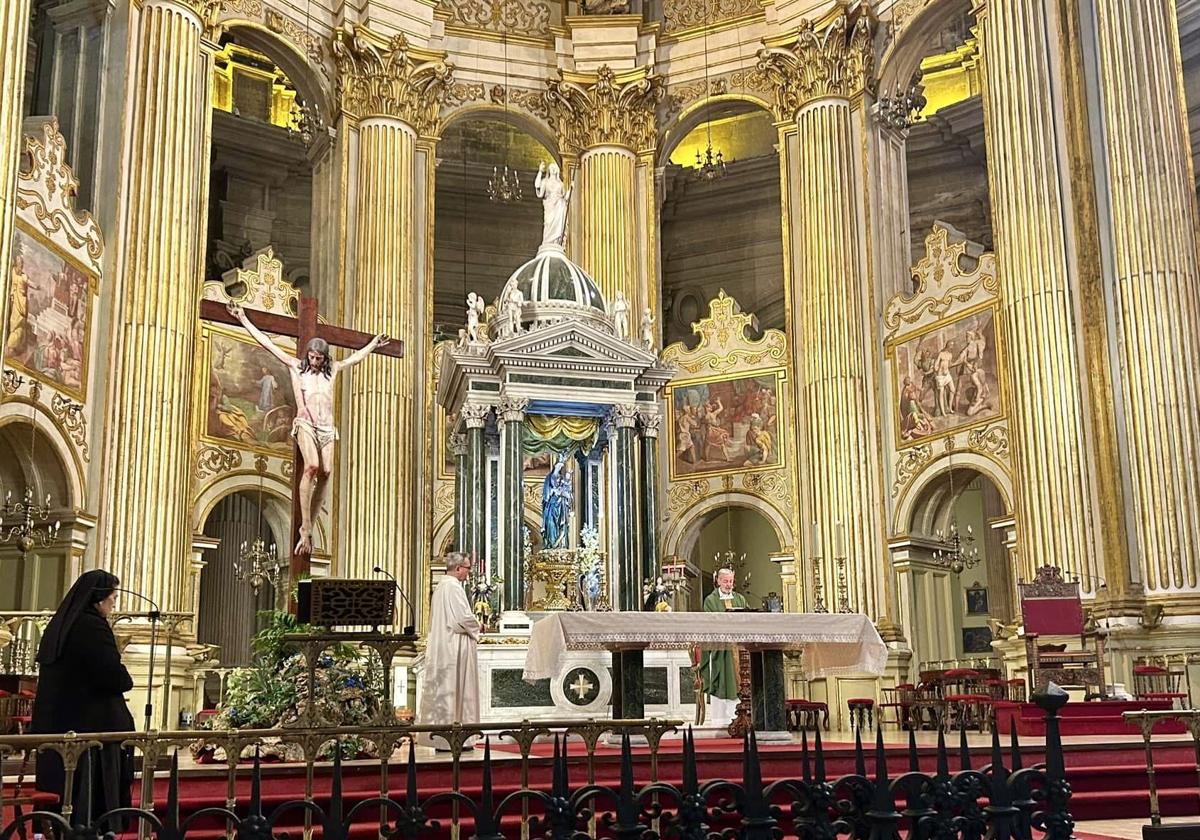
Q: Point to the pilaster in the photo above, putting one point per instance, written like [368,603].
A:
[458,445]
[475,532]
[1027,174]
[14,29]
[145,533]
[1147,174]
[512,416]
[625,555]
[648,502]
[390,96]
[608,120]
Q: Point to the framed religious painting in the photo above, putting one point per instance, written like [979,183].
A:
[249,400]
[977,600]
[977,639]
[946,377]
[725,424]
[49,314]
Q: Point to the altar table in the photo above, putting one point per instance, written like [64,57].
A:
[833,644]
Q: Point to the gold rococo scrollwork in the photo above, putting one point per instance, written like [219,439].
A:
[71,419]
[837,62]
[752,80]
[683,494]
[723,342]
[526,17]
[605,109]
[214,460]
[443,499]
[47,189]
[774,487]
[992,440]
[389,78]
[941,280]
[908,464]
[682,15]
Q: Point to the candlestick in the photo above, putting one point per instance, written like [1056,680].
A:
[841,539]
[843,587]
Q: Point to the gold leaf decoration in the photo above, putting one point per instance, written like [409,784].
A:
[387,78]
[214,460]
[605,109]
[910,462]
[990,439]
[838,62]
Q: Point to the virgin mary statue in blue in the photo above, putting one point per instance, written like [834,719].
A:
[556,505]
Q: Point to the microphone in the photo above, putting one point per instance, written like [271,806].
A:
[154,613]
[409,629]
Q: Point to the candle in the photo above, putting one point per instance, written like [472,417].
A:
[841,539]
[816,541]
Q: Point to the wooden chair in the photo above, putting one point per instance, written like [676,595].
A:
[899,700]
[1052,606]
[1154,682]
[967,701]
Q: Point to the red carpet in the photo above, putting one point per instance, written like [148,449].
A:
[1095,718]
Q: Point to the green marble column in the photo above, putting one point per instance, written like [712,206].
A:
[767,691]
[475,503]
[625,520]
[458,444]
[648,507]
[512,416]
[628,692]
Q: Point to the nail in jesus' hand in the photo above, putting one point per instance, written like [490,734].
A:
[235,310]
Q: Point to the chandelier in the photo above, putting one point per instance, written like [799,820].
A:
[711,165]
[257,563]
[504,187]
[306,122]
[957,553]
[25,533]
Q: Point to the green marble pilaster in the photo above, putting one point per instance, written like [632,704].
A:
[628,697]
[458,444]
[475,503]
[767,692]
[625,518]
[512,416]
[648,507]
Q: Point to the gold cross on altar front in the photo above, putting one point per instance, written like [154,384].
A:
[581,686]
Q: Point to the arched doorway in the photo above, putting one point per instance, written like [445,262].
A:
[229,606]
[34,579]
[743,539]
[955,575]
[722,232]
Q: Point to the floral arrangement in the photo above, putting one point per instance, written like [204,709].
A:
[347,690]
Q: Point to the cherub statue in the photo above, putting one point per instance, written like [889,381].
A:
[648,329]
[620,315]
[474,312]
[313,385]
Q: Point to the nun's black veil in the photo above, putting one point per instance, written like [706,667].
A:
[91,588]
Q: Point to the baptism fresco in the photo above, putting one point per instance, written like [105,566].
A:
[725,425]
[48,316]
[250,399]
[947,378]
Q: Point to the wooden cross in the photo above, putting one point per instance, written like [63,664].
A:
[304,328]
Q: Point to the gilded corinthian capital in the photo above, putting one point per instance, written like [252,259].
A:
[602,108]
[388,78]
[838,62]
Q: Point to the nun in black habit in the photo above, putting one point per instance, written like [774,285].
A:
[81,687]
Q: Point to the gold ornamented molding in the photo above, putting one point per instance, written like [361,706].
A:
[945,283]
[72,421]
[380,77]
[751,80]
[443,500]
[991,440]
[213,460]
[723,342]
[683,494]
[46,190]
[908,463]
[521,17]
[680,16]
[262,285]
[604,108]
[837,62]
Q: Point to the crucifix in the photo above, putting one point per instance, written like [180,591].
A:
[313,372]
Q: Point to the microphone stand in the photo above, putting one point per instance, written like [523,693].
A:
[409,629]
[154,615]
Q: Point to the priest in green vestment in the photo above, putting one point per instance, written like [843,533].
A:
[718,668]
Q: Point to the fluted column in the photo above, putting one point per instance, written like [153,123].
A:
[608,120]
[512,461]
[648,501]
[14,29]
[1026,171]
[1152,200]
[475,492]
[145,528]
[458,443]
[819,82]
[624,529]
[391,96]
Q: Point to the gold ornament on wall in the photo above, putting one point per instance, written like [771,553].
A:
[389,78]
[605,108]
[908,464]
[723,341]
[214,460]
[837,62]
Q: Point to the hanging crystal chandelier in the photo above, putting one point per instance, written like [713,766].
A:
[257,563]
[504,186]
[711,165]
[25,533]
[958,553]
[306,122]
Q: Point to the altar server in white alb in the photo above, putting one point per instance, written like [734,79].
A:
[450,692]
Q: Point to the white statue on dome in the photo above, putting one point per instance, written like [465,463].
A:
[548,186]
[511,306]
[620,315]
[648,329]
[474,311]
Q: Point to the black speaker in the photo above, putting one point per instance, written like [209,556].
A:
[304,601]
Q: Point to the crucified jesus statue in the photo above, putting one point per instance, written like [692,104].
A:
[313,378]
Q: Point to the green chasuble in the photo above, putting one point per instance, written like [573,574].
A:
[718,668]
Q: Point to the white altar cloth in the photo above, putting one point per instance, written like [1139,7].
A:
[833,643]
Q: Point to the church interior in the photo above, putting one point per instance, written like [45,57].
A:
[889,307]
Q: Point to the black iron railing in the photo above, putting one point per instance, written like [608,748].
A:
[876,801]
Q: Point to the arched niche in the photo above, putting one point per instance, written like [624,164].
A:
[721,232]
[478,241]
[30,460]
[289,57]
[229,607]
[903,56]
